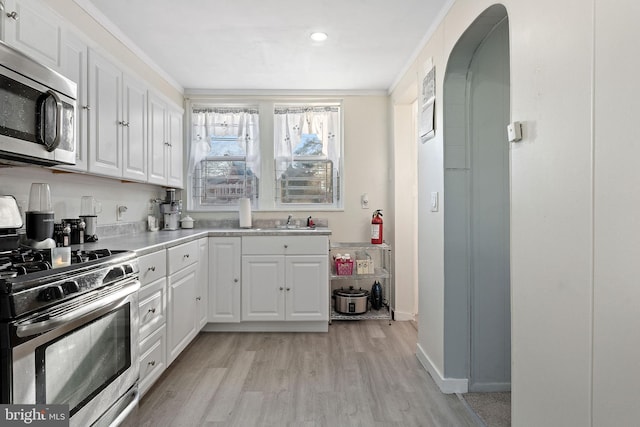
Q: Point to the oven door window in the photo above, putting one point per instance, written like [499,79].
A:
[77,366]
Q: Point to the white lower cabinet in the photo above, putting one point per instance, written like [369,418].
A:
[153,359]
[152,314]
[224,279]
[202,297]
[185,296]
[285,278]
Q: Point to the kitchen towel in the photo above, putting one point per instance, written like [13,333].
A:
[245,213]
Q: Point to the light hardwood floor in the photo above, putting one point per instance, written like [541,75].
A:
[360,373]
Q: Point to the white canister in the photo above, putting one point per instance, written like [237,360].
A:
[186,222]
[245,212]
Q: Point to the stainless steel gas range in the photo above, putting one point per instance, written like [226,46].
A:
[69,335]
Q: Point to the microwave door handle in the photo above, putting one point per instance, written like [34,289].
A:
[58,125]
[56,141]
[105,305]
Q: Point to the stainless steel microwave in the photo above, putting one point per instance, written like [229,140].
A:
[37,112]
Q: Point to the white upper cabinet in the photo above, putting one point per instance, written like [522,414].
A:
[74,66]
[117,121]
[165,143]
[105,102]
[34,30]
[134,129]
[175,149]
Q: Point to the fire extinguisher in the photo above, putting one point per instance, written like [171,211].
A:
[376,227]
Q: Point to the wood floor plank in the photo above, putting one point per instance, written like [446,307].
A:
[360,373]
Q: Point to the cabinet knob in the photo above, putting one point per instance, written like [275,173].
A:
[152,363]
[86,107]
[235,280]
[288,289]
[286,246]
[185,256]
[152,268]
[198,298]
[152,310]
[13,15]
[281,288]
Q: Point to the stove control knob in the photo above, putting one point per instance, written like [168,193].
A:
[51,293]
[70,287]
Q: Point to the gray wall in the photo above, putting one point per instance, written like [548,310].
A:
[476,207]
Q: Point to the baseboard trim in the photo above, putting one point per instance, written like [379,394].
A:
[321,326]
[402,316]
[446,385]
[491,387]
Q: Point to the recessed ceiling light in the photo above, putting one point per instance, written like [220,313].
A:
[318,37]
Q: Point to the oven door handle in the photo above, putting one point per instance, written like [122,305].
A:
[106,304]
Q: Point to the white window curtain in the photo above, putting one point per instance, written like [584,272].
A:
[291,122]
[208,123]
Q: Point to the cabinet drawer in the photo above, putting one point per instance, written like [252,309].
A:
[182,256]
[285,245]
[152,307]
[152,267]
[153,358]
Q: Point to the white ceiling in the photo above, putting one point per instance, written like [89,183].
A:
[265,45]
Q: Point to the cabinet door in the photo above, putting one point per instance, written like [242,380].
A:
[307,287]
[202,295]
[263,287]
[34,30]
[105,91]
[157,140]
[174,149]
[134,129]
[224,279]
[181,326]
[74,67]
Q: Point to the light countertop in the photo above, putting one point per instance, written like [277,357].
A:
[148,242]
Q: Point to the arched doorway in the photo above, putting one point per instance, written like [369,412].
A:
[477,340]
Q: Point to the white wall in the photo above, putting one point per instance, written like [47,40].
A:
[616,320]
[561,350]
[67,188]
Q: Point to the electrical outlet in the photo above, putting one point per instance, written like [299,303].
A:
[120,210]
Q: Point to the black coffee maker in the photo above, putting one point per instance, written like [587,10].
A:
[39,218]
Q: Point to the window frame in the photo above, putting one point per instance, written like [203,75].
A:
[267,199]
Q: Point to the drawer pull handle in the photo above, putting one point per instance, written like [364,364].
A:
[152,268]
[13,15]
[152,310]
[186,256]
[152,363]
[198,298]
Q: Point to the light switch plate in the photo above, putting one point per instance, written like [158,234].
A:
[434,201]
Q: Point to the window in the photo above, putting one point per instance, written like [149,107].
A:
[281,156]
[224,157]
[307,155]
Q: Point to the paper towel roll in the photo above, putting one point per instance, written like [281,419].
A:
[245,213]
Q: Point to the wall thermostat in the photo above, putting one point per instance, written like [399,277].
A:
[514,132]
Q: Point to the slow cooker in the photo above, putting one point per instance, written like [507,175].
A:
[350,301]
